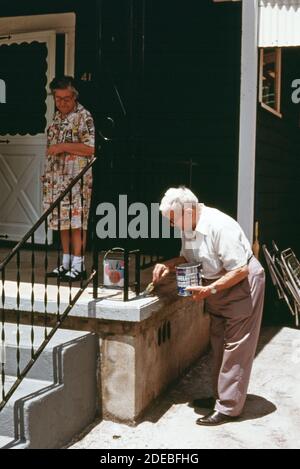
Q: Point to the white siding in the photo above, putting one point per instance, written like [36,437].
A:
[279,23]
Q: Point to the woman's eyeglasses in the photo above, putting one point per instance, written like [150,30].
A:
[65,99]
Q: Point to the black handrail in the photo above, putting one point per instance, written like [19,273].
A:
[107,139]
[46,214]
[22,373]
[42,347]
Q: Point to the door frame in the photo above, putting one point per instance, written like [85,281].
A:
[29,145]
[31,27]
[49,38]
[61,23]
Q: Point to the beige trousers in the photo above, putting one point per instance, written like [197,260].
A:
[236,315]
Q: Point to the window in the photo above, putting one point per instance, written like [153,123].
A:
[270,79]
[24,69]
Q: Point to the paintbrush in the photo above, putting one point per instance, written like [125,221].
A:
[148,290]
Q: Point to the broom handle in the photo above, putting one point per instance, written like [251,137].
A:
[256,245]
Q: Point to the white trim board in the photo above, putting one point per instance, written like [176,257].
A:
[248,110]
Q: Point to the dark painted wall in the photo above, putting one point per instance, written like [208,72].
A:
[278,180]
[184,100]
[167,73]
[176,67]
[277,166]
[190,105]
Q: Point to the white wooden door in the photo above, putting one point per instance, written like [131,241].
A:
[27,67]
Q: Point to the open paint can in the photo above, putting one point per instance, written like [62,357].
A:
[113,268]
[188,275]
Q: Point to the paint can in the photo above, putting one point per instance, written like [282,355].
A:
[188,275]
[113,269]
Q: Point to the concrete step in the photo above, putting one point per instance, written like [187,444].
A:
[59,399]
[43,368]
[8,416]
[5,441]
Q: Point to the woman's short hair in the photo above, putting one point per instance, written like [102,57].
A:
[63,83]
[177,198]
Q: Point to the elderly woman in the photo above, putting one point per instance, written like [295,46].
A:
[233,290]
[71,142]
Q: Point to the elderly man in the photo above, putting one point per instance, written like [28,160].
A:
[233,289]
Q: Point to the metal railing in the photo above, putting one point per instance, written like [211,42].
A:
[123,281]
[284,268]
[13,262]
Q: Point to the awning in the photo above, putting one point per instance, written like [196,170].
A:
[279,23]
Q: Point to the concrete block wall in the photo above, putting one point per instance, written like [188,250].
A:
[136,368]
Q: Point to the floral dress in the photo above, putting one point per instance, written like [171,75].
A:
[75,127]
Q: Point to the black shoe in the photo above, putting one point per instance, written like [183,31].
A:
[57,272]
[205,403]
[215,418]
[74,275]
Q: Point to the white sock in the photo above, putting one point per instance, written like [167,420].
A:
[67,261]
[78,263]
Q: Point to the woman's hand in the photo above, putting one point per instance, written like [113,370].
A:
[159,272]
[199,293]
[56,149]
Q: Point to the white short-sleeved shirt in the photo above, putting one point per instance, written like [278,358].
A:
[218,242]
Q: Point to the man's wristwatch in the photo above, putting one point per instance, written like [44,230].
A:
[213,290]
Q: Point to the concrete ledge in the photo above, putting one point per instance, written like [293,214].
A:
[109,304]
[136,310]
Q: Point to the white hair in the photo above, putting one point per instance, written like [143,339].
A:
[177,198]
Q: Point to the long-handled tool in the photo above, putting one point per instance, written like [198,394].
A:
[256,245]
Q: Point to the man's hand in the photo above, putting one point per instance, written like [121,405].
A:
[55,149]
[159,272]
[199,293]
